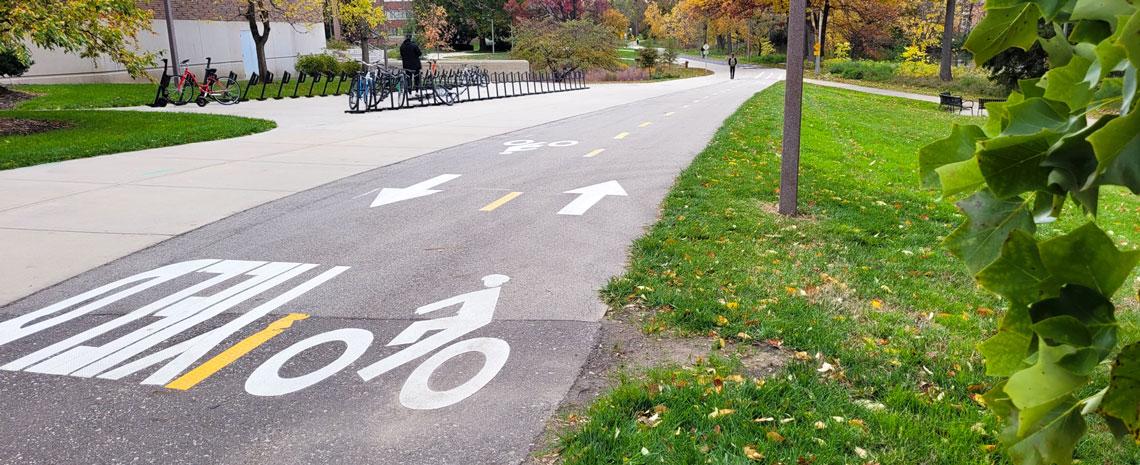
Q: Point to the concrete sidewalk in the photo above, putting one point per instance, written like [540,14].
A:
[60,219]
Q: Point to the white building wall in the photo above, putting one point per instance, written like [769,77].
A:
[220,40]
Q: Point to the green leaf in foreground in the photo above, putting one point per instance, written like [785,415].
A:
[1087,256]
[1117,148]
[1121,403]
[1081,318]
[958,147]
[1054,437]
[1002,28]
[989,222]
[1011,165]
[1019,274]
[1006,351]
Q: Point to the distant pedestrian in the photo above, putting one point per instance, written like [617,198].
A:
[732,66]
[410,54]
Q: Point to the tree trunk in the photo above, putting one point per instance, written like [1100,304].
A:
[823,26]
[260,37]
[946,72]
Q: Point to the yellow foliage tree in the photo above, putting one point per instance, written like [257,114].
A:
[615,21]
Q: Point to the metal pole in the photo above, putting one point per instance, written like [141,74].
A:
[793,111]
[170,35]
[492,33]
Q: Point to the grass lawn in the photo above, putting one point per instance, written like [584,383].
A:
[98,132]
[72,96]
[860,280]
[627,54]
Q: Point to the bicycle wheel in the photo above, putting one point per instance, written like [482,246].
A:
[444,96]
[225,91]
[355,91]
[181,96]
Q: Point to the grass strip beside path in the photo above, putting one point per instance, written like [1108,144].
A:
[73,96]
[883,322]
[98,132]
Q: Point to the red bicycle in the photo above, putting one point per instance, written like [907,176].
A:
[223,90]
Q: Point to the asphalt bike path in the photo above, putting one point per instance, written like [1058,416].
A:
[434,311]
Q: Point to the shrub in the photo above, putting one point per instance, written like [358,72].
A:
[842,51]
[918,69]
[566,46]
[13,63]
[647,57]
[338,45]
[862,70]
[773,59]
[347,67]
[670,55]
[319,63]
[625,75]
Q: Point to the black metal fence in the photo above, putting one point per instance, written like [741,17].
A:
[395,90]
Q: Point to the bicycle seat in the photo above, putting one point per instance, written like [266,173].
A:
[211,70]
[184,61]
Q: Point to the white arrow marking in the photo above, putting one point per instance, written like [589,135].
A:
[389,195]
[590,195]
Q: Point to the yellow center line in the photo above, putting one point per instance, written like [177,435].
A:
[236,351]
[645,124]
[670,113]
[621,136]
[594,153]
[502,200]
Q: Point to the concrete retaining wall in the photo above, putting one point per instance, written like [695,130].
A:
[197,39]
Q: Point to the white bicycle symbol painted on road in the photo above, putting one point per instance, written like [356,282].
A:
[476,310]
[87,354]
[526,145]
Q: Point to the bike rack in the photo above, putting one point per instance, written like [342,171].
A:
[313,83]
[284,80]
[297,86]
[264,83]
[458,85]
[328,79]
[253,80]
[163,84]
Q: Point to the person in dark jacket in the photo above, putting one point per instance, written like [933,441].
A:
[732,66]
[410,54]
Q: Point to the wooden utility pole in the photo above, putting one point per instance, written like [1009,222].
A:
[793,110]
[170,35]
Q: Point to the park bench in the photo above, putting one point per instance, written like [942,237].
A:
[983,101]
[947,101]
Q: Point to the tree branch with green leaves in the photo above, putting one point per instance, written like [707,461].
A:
[1040,155]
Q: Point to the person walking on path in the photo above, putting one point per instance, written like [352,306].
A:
[410,54]
[732,66]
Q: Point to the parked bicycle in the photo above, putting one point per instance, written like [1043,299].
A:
[473,76]
[373,85]
[182,88]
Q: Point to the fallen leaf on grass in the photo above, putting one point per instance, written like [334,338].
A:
[775,437]
[752,453]
[721,412]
